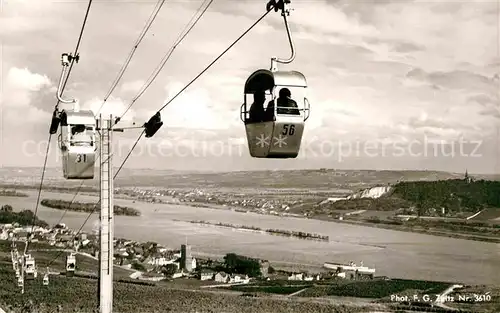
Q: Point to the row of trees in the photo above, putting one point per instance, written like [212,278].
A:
[456,195]
[240,264]
[86,207]
[23,218]
[12,193]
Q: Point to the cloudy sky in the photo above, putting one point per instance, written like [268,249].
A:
[392,84]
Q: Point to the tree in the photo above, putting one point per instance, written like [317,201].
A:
[138,267]
[169,269]
[242,265]
[6,208]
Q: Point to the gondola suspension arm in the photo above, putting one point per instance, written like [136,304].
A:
[285,12]
[66,59]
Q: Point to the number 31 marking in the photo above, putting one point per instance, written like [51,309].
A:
[288,130]
[81,158]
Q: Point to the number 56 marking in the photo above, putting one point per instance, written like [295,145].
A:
[288,130]
[81,158]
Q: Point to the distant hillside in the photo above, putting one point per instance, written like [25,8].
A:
[456,196]
[298,179]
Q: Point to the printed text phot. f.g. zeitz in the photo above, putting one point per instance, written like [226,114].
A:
[250,157]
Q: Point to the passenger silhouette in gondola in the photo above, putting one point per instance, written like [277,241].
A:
[286,105]
[257,108]
[79,137]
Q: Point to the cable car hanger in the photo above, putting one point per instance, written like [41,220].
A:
[66,59]
[282,5]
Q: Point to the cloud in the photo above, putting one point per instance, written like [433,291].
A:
[455,80]
[18,78]
[194,109]
[113,106]
[483,100]
[493,112]
[372,67]
[21,87]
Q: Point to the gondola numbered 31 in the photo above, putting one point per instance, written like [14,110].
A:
[77,138]
[275,131]
[77,143]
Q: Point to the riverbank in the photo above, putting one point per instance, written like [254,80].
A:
[379,224]
[393,253]
[416,229]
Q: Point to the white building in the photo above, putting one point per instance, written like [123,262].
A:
[237,278]
[296,276]
[206,274]
[221,277]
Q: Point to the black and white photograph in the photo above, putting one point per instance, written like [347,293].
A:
[249,156]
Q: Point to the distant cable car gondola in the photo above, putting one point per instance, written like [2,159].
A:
[276,131]
[29,267]
[70,265]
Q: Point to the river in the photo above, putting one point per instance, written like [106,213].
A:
[392,253]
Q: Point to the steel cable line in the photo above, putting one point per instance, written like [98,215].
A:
[167,56]
[153,76]
[72,200]
[143,33]
[214,61]
[93,209]
[50,135]
[142,133]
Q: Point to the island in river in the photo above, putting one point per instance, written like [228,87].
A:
[86,207]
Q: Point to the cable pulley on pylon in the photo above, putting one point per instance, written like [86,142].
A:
[277,5]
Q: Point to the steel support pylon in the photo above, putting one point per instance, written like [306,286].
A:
[106,216]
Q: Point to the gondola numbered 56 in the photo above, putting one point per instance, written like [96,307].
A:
[275,130]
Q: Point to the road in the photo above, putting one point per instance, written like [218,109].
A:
[441,299]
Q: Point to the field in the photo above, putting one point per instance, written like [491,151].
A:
[375,289]
[79,295]
[380,291]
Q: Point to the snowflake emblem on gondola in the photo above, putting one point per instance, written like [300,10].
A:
[280,141]
[263,140]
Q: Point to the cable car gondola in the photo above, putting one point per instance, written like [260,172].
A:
[46,278]
[77,138]
[275,131]
[29,267]
[77,143]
